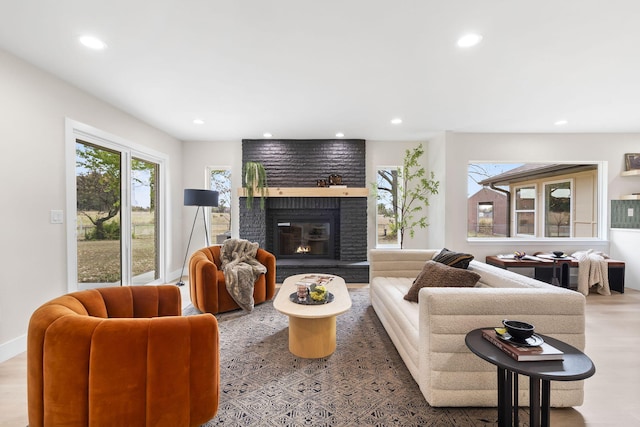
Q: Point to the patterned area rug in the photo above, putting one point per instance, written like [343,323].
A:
[364,382]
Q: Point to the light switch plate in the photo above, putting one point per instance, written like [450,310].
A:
[57,217]
[629,211]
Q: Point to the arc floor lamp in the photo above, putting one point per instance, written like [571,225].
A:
[201,199]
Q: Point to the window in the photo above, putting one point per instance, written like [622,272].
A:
[525,210]
[114,206]
[557,212]
[485,218]
[536,200]
[387,215]
[220,181]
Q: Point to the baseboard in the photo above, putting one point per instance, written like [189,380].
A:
[13,348]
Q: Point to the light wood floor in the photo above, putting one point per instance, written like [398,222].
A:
[612,395]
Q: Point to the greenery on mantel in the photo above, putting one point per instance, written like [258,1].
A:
[255,178]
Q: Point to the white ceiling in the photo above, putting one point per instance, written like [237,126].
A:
[311,68]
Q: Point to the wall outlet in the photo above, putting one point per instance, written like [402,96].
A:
[57,217]
[629,211]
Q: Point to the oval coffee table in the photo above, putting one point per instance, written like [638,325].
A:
[312,328]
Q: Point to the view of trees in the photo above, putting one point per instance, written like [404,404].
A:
[408,188]
[98,189]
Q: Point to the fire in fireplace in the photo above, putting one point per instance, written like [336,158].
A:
[312,237]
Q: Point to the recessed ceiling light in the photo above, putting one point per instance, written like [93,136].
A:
[469,40]
[198,121]
[396,121]
[92,42]
[267,135]
[561,122]
[339,135]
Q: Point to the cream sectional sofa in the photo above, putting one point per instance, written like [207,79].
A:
[429,335]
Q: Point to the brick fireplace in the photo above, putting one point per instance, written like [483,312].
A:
[310,233]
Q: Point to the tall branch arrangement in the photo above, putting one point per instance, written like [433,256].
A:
[413,194]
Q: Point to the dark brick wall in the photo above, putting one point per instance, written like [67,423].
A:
[299,163]
[353,226]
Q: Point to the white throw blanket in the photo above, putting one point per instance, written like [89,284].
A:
[241,270]
[593,269]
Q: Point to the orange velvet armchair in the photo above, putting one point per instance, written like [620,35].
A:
[208,287]
[121,356]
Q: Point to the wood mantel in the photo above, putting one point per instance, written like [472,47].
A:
[313,192]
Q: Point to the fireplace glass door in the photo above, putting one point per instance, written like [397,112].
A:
[306,238]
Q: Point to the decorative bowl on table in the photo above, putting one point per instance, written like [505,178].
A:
[311,294]
[520,331]
[558,254]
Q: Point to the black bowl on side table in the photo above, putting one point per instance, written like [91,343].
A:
[520,331]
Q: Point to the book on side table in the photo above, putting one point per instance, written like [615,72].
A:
[523,353]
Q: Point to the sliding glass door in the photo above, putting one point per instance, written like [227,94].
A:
[144,222]
[99,201]
[117,238]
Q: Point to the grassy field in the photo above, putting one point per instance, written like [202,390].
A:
[99,260]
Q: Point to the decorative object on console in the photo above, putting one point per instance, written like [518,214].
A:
[321,182]
[453,259]
[255,182]
[519,254]
[199,198]
[436,274]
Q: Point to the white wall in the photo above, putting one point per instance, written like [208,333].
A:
[33,107]
[196,157]
[462,148]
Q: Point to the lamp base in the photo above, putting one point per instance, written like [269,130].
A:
[180,283]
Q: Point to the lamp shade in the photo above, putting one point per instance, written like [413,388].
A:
[194,197]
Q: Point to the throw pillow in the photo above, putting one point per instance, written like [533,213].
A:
[453,259]
[436,274]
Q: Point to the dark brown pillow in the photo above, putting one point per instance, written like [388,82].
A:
[453,259]
[435,274]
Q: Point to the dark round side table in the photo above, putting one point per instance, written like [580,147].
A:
[575,366]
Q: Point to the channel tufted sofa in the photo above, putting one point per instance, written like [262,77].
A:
[429,335]
[121,356]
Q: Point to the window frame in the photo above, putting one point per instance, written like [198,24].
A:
[74,131]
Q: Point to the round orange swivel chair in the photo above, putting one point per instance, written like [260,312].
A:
[207,285]
[122,356]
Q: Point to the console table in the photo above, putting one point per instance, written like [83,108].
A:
[575,366]
[548,269]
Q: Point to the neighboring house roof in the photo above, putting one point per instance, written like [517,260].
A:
[485,190]
[536,170]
